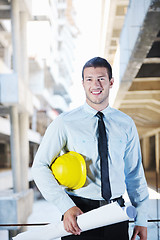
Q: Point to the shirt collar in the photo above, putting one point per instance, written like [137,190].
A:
[93,112]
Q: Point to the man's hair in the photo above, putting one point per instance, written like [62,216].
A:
[98,62]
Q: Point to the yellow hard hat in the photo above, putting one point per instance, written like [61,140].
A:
[70,170]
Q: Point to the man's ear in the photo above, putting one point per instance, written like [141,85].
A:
[111,82]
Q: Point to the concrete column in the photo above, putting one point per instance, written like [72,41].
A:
[34,120]
[23,117]
[24,150]
[146,152]
[15,34]
[157,151]
[7,56]
[23,52]
[15,156]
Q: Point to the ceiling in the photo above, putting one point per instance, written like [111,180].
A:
[139,90]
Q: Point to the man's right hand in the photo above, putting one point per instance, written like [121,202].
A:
[70,220]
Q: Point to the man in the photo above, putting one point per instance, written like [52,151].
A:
[77,131]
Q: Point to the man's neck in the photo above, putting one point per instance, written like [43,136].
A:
[98,107]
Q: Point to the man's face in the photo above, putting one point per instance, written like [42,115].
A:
[96,85]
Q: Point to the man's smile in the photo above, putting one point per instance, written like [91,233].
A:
[96,92]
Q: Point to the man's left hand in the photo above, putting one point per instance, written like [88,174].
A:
[139,231]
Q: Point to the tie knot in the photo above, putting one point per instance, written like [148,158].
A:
[100,115]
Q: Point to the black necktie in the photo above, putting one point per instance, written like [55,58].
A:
[103,153]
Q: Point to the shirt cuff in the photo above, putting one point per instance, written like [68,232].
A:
[141,219]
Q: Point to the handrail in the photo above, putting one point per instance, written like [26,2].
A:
[42,224]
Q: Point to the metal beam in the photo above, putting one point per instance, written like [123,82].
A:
[140,101]
[146,79]
[148,94]
[144,106]
[151,60]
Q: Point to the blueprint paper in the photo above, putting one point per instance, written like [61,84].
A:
[102,216]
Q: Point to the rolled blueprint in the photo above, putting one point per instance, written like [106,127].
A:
[99,217]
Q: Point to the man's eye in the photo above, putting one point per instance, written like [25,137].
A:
[88,79]
[101,79]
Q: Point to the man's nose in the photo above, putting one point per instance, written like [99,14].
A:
[97,82]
